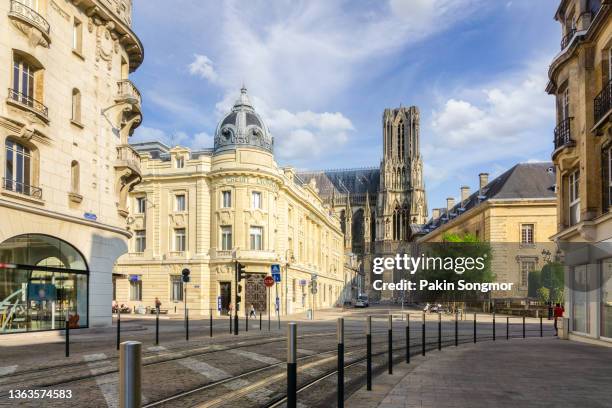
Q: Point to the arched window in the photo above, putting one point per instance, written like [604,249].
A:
[17,168]
[400,139]
[76,105]
[75,177]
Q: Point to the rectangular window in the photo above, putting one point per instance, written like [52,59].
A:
[141,205]
[179,203]
[580,299]
[565,104]
[77,36]
[136,289]
[226,237]
[256,234]
[180,242]
[141,240]
[527,234]
[226,199]
[180,162]
[574,197]
[256,199]
[526,268]
[17,168]
[176,285]
[23,82]
[606,298]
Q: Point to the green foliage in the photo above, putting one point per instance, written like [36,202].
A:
[544,294]
[551,278]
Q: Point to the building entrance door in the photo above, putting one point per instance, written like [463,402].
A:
[226,296]
[256,293]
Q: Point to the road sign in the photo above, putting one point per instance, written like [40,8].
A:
[276,274]
[302,282]
[269,281]
[219,303]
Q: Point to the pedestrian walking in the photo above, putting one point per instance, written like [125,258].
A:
[157,304]
[558,312]
[252,312]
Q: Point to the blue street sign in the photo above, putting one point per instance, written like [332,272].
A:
[275,269]
[219,303]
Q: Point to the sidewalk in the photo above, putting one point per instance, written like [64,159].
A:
[523,372]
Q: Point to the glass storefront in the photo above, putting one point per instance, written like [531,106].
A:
[42,281]
[580,300]
[606,299]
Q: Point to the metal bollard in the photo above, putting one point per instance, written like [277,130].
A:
[456,329]
[541,334]
[211,323]
[130,380]
[474,327]
[369,353]
[507,328]
[390,362]
[268,318]
[278,318]
[118,328]
[523,326]
[230,321]
[408,338]
[493,326]
[439,331]
[67,335]
[259,321]
[186,324]
[236,323]
[247,321]
[423,336]
[340,332]
[157,327]
[291,365]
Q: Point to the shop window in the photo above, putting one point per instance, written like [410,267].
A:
[606,299]
[580,299]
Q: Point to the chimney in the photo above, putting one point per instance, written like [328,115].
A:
[450,203]
[484,180]
[435,213]
[465,194]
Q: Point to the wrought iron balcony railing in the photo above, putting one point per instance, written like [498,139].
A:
[28,101]
[567,38]
[603,102]
[21,188]
[563,134]
[127,90]
[23,12]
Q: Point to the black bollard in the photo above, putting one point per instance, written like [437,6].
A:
[236,323]
[230,321]
[340,332]
[390,346]
[118,328]
[186,324]
[507,328]
[493,326]
[67,335]
[456,329]
[369,353]
[440,331]
[268,317]
[259,321]
[523,326]
[291,366]
[157,327]
[541,334]
[474,327]
[408,338]
[247,321]
[423,336]
[211,323]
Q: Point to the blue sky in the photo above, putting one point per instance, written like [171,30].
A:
[321,73]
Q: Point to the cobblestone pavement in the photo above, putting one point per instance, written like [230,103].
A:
[236,371]
[519,373]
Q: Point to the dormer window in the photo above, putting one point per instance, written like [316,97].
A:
[180,162]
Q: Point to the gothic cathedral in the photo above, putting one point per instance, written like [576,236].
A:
[382,209]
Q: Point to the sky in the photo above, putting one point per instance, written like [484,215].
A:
[321,72]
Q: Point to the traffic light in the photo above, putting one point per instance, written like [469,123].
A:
[185,272]
[239,288]
[241,271]
[238,300]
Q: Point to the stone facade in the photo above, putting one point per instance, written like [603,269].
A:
[580,79]
[64,128]
[515,213]
[232,202]
[382,209]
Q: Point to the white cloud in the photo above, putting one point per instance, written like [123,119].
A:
[202,66]
[508,119]
[177,137]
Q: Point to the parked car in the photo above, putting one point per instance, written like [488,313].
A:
[362,301]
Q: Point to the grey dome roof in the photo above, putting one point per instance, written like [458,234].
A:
[242,127]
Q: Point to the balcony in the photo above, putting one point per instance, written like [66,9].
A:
[127,92]
[128,158]
[21,188]
[602,104]
[25,101]
[22,13]
[567,38]
[563,134]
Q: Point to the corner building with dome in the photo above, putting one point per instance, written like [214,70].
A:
[205,209]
